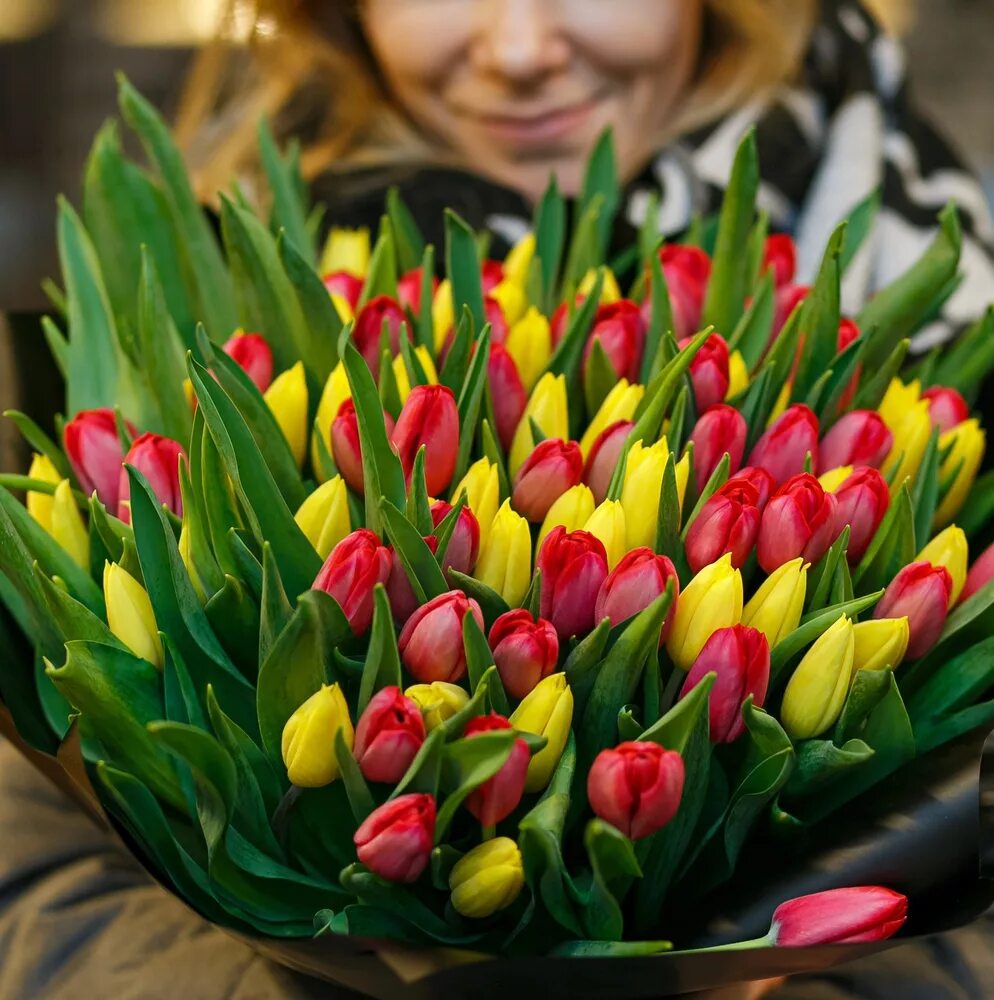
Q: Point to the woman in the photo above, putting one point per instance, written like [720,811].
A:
[473,103]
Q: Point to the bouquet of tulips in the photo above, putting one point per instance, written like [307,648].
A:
[502,611]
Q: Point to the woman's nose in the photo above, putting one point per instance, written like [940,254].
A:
[520,40]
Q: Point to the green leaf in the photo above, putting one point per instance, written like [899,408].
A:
[41,442]
[491,603]
[381,278]
[276,610]
[73,619]
[613,866]
[956,684]
[751,336]
[234,616]
[469,400]
[382,665]
[599,376]
[583,663]
[462,265]
[820,762]
[466,764]
[820,314]
[893,546]
[289,208]
[660,318]
[479,660]
[422,569]
[601,182]
[407,236]
[360,800]
[423,773]
[872,391]
[550,239]
[859,224]
[584,249]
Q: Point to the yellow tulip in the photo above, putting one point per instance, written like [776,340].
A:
[68,527]
[546,711]
[834,478]
[130,616]
[487,879]
[619,404]
[510,297]
[912,430]
[324,516]
[880,643]
[529,342]
[967,443]
[506,559]
[438,701]
[783,398]
[346,250]
[817,690]
[950,549]
[481,485]
[40,504]
[442,313]
[287,399]
[186,555]
[548,408]
[712,600]
[608,524]
[644,470]
[343,307]
[738,375]
[400,371]
[776,608]
[898,399]
[571,509]
[336,391]
[610,292]
[308,743]
[518,262]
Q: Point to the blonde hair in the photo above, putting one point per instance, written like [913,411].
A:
[312,73]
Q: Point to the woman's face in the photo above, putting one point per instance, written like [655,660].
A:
[521,88]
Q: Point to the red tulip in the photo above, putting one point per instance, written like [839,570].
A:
[431,643]
[368,329]
[603,457]
[848,332]
[862,502]
[620,330]
[549,471]
[389,734]
[839,916]
[409,289]
[252,353]
[687,270]
[491,275]
[740,656]
[494,315]
[859,438]
[507,392]
[573,567]
[763,482]
[351,571]
[344,283]
[785,446]
[728,522]
[636,787]
[525,650]
[429,418]
[799,520]
[981,573]
[345,445]
[719,430]
[788,298]
[157,458]
[395,840]
[403,601]
[920,592]
[946,407]
[464,542]
[709,372]
[498,796]
[638,579]
[95,453]
[780,256]
[560,317]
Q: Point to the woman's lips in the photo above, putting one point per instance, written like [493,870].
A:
[538,129]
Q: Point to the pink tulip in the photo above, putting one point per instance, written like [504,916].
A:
[464,542]
[573,567]
[620,330]
[525,650]
[491,275]
[95,453]
[157,458]
[507,393]
[728,522]
[429,418]
[780,256]
[252,353]
[345,445]
[498,796]
[799,520]
[409,289]
[389,734]
[981,573]
[784,447]
[761,480]
[403,601]
[351,571]
[858,438]
[839,916]
[345,284]
[395,840]
[687,270]
[549,471]
[638,579]
[709,372]
[920,592]
[603,457]
[368,329]
[719,430]
[431,642]
[862,501]
[788,298]
[946,407]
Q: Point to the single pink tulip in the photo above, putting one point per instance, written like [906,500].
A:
[799,520]
[252,353]
[525,650]
[573,567]
[920,592]
[551,469]
[95,453]
[858,438]
[839,916]
[351,571]
[639,578]
[395,840]
[720,430]
[498,796]
[431,642]
[157,458]
[728,522]
[862,501]
[389,734]
[429,418]
[784,447]
[603,457]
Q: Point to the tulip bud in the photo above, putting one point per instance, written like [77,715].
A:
[368,329]
[403,601]
[336,391]
[519,259]
[728,522]
[603,458]
[498,796]
[862,501]
[644,470]
[571,511]
[252,353]
[950,549]
[819,686]
[946,407]
[529,343]
[620,330]
[40,504]
[858,438]
[740,656]
[509,297]
[610,292]
[880,643]
[775,609]
[687,270]
[830,481]
[785,446]
[493,312]
[911,429]
[762,480]
[157,458]
[636,787]
[573,567]
[709,371]
[354,567]
[482,489]
[346,448]
[525,650]
[738,375]
[400,372]
[395,840]
[409,289]
[287,399]
[345,290]
[981,573]
[442,314]
[437,701]
[788,298]
[799,520]
[389,734]
[308,743]
[507,392]
[780,257]
[548,472]
[607,523]
[721,430]
[619,404]
[129,614]
[848,332]
[429,418]
[712,600]
[505,558]
[633,585]
[95,453]
[68,527]
[431,643]
[838,916]
[487,879]
[547,711]
[966,443]
[346,250]
[324,516]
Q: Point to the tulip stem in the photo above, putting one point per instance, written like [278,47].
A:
[763,942]
[282,815]
[671,690]
[488,833]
